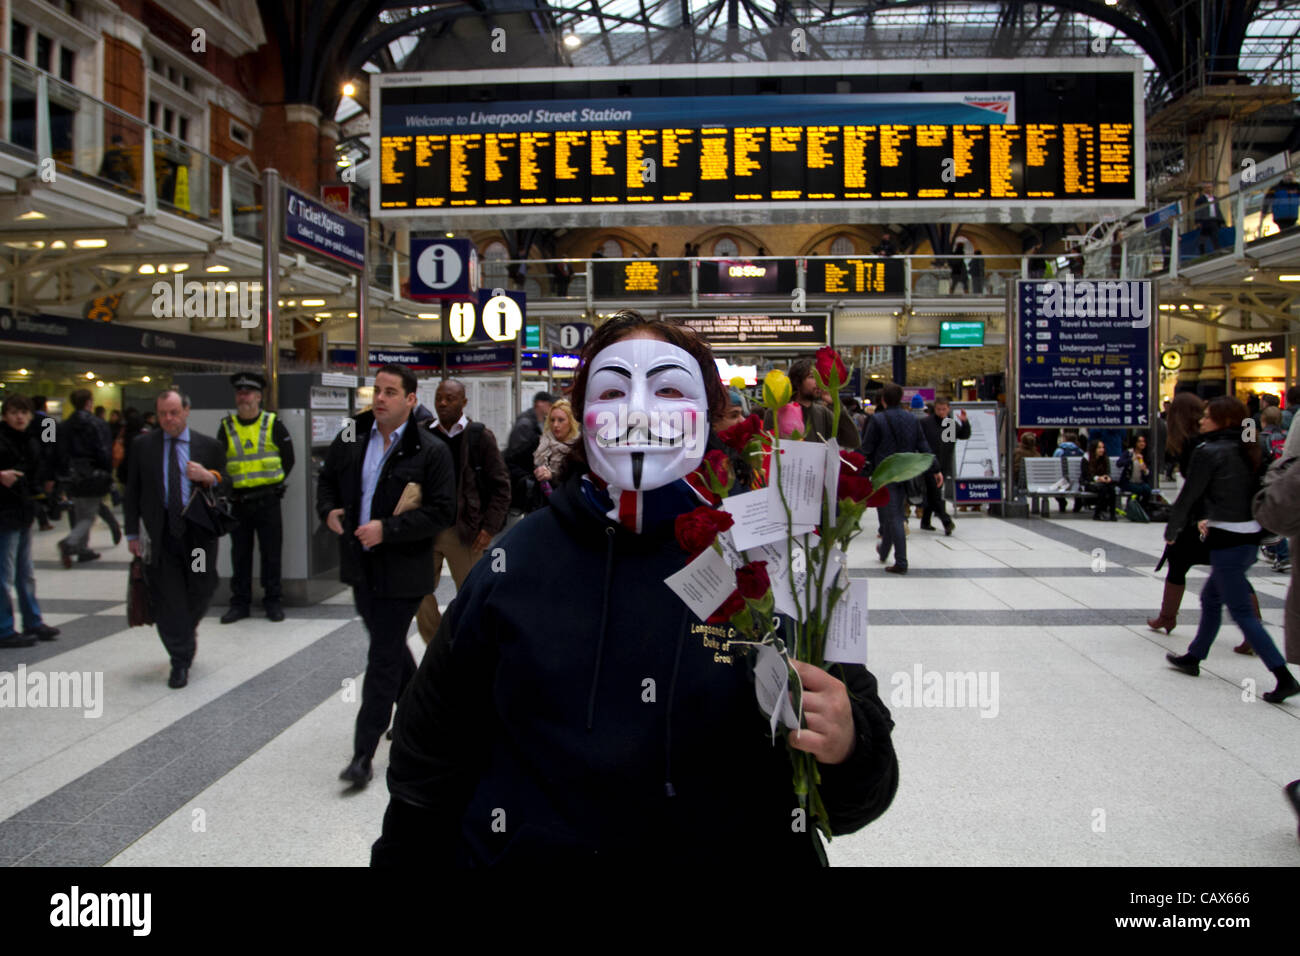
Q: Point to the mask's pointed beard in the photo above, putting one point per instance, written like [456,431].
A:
[638,459]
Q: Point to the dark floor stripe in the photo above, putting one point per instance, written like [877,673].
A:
[97,816]
[1001,571]
[1085,541]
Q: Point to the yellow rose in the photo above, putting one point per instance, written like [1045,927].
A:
[776,389]
[737,382]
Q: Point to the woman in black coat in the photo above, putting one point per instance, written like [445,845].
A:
[1220,486]
[607,725]
[1097,479]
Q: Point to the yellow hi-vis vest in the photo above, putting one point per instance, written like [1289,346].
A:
[252,458]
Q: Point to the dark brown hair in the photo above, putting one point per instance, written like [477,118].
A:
[1184,416]
[80,399]
[1228,412]
[891,394]
[17,403]
[622,324]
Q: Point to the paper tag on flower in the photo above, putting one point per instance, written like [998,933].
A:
[704,583]
[729,551]
[803,474]
[837,566]
[831,485]
[772,686]
[846,635]
[757,522]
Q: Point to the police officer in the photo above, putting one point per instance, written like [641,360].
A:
[259,457]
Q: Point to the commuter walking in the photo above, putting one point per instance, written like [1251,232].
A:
[482,484]
[1099,484]
[942,437]
[957,273]
[528,736]
[22,473]
[893,429]
[259,454]
[1221,488]
[1208,217]
[180,556]
[524,437]
[387,494]
[84,461]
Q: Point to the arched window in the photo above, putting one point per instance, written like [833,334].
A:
[842,246]
[495,253]
[726,248]
[611,249]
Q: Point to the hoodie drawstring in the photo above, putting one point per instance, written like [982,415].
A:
[604,616]
[668,727]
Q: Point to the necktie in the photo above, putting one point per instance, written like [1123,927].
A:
[174,515]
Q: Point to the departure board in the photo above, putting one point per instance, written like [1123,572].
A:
[573,148]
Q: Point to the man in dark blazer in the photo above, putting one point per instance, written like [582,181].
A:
[180,557]
[387,490]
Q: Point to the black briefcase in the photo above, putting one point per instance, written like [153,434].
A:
[209,512]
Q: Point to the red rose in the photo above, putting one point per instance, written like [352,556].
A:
[696,529]
[730,606]
[752,580]
[740,434]
[854,487]
[828,359]
[718,463]
[851,463]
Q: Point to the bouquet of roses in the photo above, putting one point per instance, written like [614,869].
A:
[780,548]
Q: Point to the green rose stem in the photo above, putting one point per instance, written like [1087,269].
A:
[807,779]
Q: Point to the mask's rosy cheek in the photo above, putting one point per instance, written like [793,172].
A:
[590,419]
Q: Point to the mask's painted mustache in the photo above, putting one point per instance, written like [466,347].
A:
[638,459]
[639,438]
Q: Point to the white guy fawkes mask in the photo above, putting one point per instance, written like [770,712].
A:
[646,417]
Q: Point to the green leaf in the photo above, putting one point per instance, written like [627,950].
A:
[900,467]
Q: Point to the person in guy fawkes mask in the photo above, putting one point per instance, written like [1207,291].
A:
[613,728]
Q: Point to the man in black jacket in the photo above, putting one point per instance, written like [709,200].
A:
[818,419]
[942,436]
[525,436]
[180,556]
[21,474]
[893,429]
[85,460]
[482,496]
[386,489]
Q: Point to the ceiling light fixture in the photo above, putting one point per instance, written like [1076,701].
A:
[90,243]
[217,269]
[349,89]
[32,214]
[571,41]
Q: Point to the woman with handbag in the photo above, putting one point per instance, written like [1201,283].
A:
[1221,485]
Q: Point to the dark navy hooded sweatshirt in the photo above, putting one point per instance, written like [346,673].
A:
[571,709]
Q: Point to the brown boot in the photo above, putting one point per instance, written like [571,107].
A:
[1168,616]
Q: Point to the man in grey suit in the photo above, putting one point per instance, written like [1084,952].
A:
[180,558]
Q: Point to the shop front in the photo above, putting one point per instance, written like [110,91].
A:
[1256,365]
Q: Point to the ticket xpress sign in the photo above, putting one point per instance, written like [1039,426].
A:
[786,330]
[322,230]
[1083,352]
